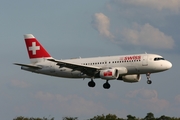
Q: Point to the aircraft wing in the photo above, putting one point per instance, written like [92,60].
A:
[85,69]
[28,65]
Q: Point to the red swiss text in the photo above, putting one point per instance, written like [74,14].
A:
[138,57]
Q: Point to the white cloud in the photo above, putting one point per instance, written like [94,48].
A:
[177,99]
[142,93]
[112,95]
[147,36]
[19,83]
[69,105]
[22,109]
[138,35]
[101,22]
[173,5]
[147,99]
[44,96]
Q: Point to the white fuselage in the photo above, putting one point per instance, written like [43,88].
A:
[127,68]
[135,64]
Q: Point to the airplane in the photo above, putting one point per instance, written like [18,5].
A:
[127,68]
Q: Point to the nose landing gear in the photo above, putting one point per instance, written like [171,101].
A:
[148,78]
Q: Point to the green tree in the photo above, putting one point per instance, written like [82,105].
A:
[26,118]
[21,118]
[130,117]
[107,117]
[149,116]
[70,118]
[163,117]
[98,117]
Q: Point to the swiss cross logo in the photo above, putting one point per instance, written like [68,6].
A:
[34,48]
[108,73]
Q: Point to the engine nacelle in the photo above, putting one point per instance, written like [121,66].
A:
[130,78]
[122,70]
[109,74]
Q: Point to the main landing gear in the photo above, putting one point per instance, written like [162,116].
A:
[148,78]
[91,83]
[105,85]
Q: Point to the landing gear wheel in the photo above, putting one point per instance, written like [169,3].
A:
[149,82]
[106,85]
[91,83]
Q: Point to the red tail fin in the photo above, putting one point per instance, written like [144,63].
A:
[34,48]
[36,51]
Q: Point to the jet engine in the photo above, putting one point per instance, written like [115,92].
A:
[130,78]
[109,74]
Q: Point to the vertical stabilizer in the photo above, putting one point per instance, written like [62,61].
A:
[35,50]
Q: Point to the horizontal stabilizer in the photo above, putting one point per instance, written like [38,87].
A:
[28,65]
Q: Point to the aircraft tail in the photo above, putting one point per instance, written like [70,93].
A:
[35,50]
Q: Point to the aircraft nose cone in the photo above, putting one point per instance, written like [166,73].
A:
[169,65]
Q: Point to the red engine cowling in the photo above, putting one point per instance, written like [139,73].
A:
[109,74]
[130,78]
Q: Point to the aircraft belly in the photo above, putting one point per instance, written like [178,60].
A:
[146,69]
[68,73]
[132,70]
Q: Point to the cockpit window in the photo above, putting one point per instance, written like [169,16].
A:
[156,59]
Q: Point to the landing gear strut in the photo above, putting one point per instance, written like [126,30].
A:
[106,85]
[148,78]
[91,83]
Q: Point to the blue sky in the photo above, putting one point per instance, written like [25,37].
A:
[69,29]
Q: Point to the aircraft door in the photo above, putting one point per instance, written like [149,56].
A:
[145,60]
